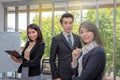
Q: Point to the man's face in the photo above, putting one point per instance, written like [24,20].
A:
[67,24]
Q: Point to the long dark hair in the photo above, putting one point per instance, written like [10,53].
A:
[93,28]
[35,27]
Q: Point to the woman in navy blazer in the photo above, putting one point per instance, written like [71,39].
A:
[89,62]
[33,52]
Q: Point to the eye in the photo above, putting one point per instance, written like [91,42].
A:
[81,32]
[33,32]
[65,22]
[28,32]
[71,22]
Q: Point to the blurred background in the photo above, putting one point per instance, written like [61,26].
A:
[17,14]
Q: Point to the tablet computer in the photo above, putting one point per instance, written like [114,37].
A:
[14,53]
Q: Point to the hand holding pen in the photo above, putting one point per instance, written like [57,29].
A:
[75,54]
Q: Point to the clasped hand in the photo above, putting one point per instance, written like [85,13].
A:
[76,53]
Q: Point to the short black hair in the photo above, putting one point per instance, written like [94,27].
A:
[67,15]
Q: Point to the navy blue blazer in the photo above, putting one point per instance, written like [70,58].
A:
[33,64]
[93,64]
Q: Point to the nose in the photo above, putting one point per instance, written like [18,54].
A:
[84,34]
[31,35]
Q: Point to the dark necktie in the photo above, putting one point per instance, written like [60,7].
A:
[69,41]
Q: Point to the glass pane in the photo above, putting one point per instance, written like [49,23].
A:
[47,31]
[57,25]
[22,8]
[59,7]
[11,9]
[22,27]
[11,22]
[118,41]
[46,7]
[22,24]
[34,7]
[74,5]
[33,16]
[22,21]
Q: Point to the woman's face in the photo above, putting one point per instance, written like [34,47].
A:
[86,35]
[33,34]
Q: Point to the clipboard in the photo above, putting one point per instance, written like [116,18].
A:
[14,53]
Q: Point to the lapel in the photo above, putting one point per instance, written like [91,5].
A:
[34,48]
[31,49]
[65,41]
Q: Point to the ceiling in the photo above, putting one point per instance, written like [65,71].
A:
[34,4]
[29,2]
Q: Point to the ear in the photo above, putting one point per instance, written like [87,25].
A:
[61,24]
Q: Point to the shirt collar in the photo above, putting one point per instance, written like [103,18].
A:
[65,34]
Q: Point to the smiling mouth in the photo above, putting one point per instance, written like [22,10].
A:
[85,38]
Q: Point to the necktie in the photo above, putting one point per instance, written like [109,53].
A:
[69,41]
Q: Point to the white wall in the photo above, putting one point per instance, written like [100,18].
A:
[6,63]
[1,17]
